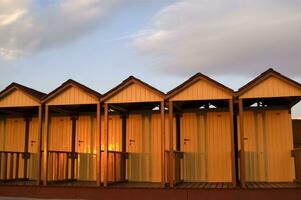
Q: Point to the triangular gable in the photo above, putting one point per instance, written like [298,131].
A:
[133,90]
[15,97]
[72,93]
[200,87]
[270,84]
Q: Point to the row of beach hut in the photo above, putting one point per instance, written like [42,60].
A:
[200,131]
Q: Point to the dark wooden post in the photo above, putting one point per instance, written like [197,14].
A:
[232,143]
[98,145]
[242,144]
[45,143]
[73,155]
[26,155]
[178,132]
[162,109]
[39,144]
[106,132]
[123,156]
[171,153]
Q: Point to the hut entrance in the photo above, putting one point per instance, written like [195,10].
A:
[19,144]
[72,143]
[139,160]
[266,128]
[203,137]
[134,145]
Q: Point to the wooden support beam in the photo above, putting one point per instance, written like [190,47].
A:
[162,109]
[171,152]
[63,111]
[242,144]
[115,107]
[27,123]
[39,144]
[106,132]
[123,155]
[98,144]
[45,143]
[178,132]
[233,169]
[73,138]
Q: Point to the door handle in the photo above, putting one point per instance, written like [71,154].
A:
[132,141]
[186,140]
[80,141]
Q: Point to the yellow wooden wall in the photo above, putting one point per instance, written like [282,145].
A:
[272,87]
[207,149]
[135,93]
[72,96]
[17,98]
[60,132]
[268,146]
[201,90]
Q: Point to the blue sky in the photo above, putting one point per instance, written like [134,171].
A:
[100,43]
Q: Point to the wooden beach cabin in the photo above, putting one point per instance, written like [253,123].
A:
[265,129]
[71,142]
[134,134]
[20,133]
[201,132]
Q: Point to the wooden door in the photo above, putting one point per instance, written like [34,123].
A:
[279,141]
[139,146]
[85,147]
[193,135]
[218,142]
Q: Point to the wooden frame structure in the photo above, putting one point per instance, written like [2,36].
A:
[260,109]
[196,95]
[71,99]
[132,94]
[269,92]
[20,102]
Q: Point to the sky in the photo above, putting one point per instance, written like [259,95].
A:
[99,43]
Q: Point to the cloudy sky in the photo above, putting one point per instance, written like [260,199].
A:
[101,42]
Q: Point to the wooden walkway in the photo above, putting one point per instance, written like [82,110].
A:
[204,185]
[135,185]
[265,185]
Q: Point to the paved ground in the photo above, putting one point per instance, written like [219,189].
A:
[18,198]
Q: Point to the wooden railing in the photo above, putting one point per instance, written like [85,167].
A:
[10,165]
[177,161]
[61,165]
[117,165]
[296,153]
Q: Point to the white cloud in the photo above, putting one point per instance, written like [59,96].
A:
[27,26]
[218,36]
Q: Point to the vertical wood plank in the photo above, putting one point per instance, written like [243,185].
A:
[39,144]
[98,145]
[242,145]
[171,154]
[106,132]
[45,143]
[162,143]
[232,142]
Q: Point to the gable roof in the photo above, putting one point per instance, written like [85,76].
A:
[37,95]
[130,80]
[194,79]
[264,76]
[68,83]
